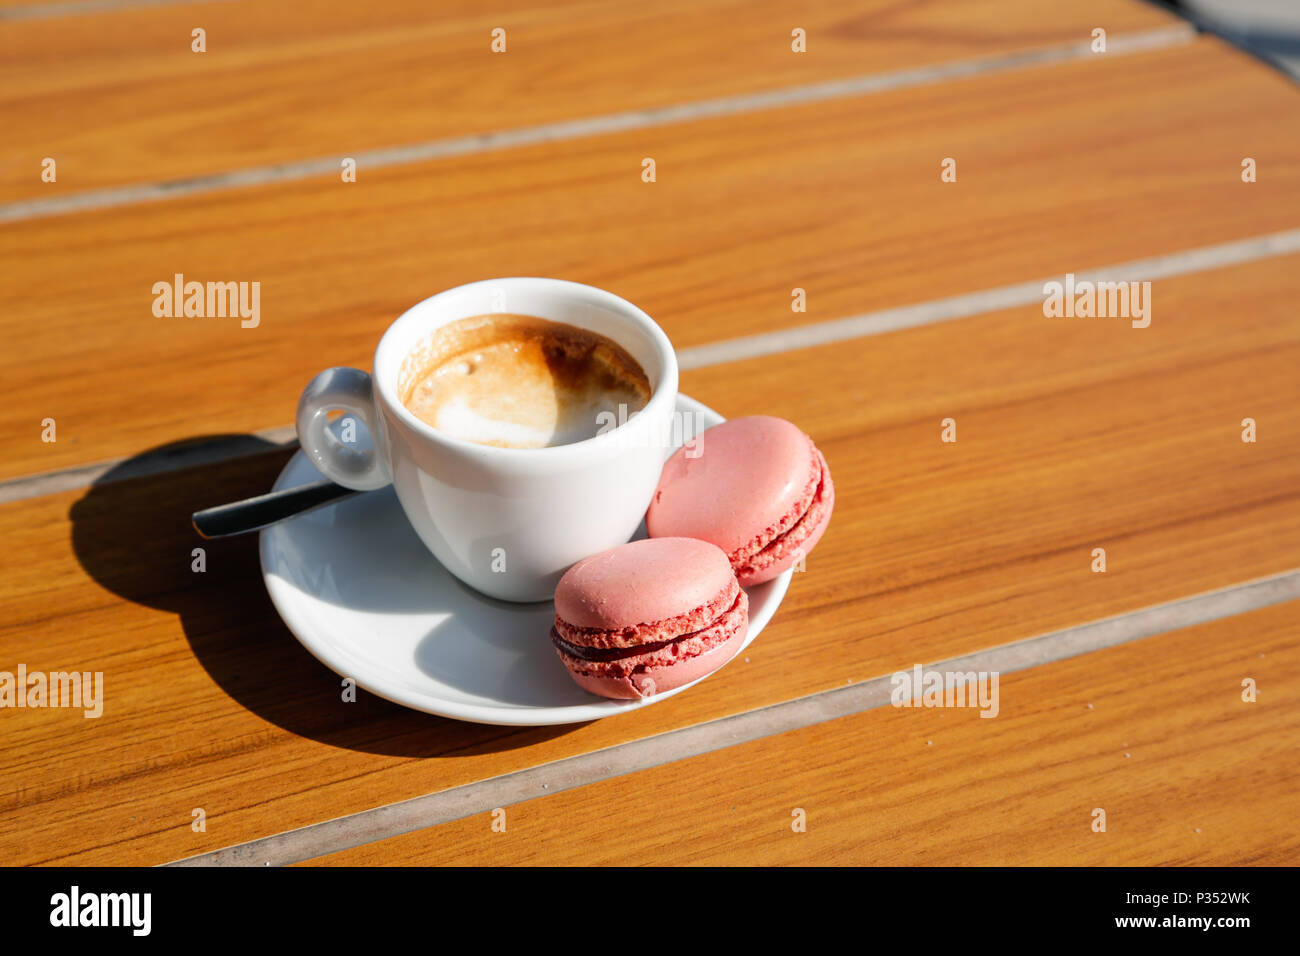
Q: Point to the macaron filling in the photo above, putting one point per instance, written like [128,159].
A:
[803,529]
[639,635]
[625,661]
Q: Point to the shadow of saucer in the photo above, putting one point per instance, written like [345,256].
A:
[131,532]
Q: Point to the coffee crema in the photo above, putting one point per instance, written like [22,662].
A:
[517,381]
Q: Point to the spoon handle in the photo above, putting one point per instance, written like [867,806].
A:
[253,514]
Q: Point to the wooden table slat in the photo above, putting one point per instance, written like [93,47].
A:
[1154,733]
[119,97]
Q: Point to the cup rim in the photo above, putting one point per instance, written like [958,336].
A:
[664,394]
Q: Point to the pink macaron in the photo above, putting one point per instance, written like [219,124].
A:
[756,487]
[648,616]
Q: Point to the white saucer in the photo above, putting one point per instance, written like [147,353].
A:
[361,592]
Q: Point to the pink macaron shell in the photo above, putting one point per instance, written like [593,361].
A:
[749,481]
[642,582]
[785,551]
[661,672]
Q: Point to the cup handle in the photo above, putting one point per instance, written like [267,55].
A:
[352,391]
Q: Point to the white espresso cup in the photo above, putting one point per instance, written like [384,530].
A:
[506,521]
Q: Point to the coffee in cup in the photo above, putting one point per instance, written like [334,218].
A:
[518,381]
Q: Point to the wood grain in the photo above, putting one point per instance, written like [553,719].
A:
[1155,733]
[841,199]
[1071,435]
[119,97]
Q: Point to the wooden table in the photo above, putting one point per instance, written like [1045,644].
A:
[776,170]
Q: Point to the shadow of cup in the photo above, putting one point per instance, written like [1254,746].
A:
[131,533]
